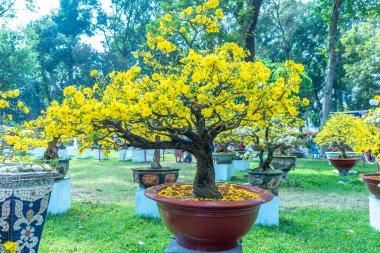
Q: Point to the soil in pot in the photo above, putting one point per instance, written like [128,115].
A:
[227,220]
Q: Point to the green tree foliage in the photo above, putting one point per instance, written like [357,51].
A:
[362,62]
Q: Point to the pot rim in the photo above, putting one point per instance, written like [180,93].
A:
[271,173]
[154,170]
[265,197]
[6,177]
[344,159]
[367,176]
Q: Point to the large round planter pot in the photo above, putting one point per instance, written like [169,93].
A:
[62,166]
[24,199]
[223,158]
[147,177]
[268,180]
[343,163]
[208,225]
[372,181]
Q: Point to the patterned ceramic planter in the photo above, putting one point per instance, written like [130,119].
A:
[62,166]
[223,158]
[147,177]
[24,199]
[268,180]
[284,163]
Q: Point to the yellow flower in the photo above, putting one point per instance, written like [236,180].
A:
[10,117]
[305,102]
[26,110]
[87,91]
[20,104]
[11,246]
[168,17]
[69,90]
[219,13]
[93,73]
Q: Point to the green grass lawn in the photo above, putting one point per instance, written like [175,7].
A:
[317,214]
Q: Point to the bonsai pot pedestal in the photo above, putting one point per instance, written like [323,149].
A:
[241,165]
[60,198]
[374,212]
[269,214]
[145,206]
[223,172]
[174,247]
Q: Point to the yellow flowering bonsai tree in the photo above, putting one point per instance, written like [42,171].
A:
[341,131]
[368,138]
[193,91]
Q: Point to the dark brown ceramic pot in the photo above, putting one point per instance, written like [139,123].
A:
[147,177]
[208,225]
[343,163]
[372,181]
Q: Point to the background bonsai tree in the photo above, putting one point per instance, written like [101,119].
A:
[341,131]
[367,139]
[194,91]
[270,134]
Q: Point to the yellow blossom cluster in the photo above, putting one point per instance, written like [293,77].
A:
[368,137]
[341,131]
[229,192]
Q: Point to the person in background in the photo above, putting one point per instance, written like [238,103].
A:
[188,157]
[178,155]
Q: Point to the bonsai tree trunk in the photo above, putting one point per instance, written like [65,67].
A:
[342,148]
[266,164]
[156,156]
[204,182]
[52,151]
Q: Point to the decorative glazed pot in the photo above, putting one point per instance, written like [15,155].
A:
[208,225]
[344,164]
[62,166]
[24,199]
[147,177]
[284,163]
[223,158]
[372,181]
[268,180]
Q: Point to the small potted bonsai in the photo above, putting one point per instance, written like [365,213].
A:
[222,155]
[155,174]
[195,92]
[272,134]
[341,132]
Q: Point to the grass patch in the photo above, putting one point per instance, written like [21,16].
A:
[318,214]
